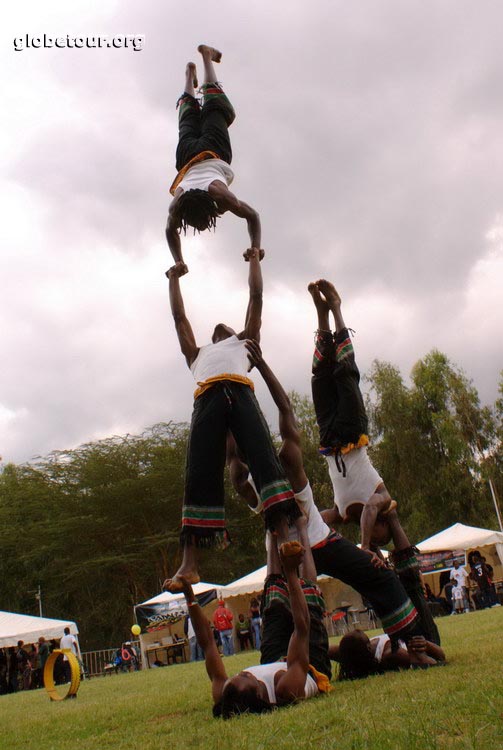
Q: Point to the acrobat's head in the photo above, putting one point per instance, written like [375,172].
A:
[196,208]
[356,657]
[242,694]
[222,332]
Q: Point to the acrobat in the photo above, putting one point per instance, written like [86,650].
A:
[333,555]
[224,401]
[360,495]
[292,627]
[203,157]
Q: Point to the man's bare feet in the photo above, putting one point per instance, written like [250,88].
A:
[392,506]
[329,292]
[181,579]
[319,301]
[191,71]
[291,554]
[211,52]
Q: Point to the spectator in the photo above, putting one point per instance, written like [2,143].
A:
[256,622]
[69,642]
[460,577]
[13,672]
[480,575]
[223,622]
[195,650]
[23,667]
[36,673]
[493,596]
[4,672]
[243,632]
[43,653]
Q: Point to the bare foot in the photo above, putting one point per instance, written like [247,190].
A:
[191,71]
[182,577]
[291,554]
[329,292]
[214,54]
[319,301]
[392,506]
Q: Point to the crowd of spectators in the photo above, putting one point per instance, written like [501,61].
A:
[22,666]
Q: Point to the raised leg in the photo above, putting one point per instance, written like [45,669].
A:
[210,55]
[190,79]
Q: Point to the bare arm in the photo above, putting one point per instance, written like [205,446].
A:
[291,453]
[375,504]
[292,684]
[172,233]
[227,201]
[183,328]
[253,321]
[213,660]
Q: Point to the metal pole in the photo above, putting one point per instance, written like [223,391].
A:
[38,596]
[495,501]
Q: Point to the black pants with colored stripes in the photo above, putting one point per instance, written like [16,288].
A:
[204,128]
[229,406]
[342,559]
[277,626]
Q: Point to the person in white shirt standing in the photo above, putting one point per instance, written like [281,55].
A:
[69,642]
[203,157]
[460,591]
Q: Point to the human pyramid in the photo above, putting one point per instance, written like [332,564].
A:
[228,427]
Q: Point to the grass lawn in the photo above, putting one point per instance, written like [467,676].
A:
[457,706]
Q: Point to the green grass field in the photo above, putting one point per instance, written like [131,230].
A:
[457,706]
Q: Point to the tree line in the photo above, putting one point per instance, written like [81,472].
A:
[97,526]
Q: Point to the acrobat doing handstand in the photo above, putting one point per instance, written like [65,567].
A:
[360,495]
[203,157]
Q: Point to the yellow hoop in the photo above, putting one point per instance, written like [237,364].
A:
[49,683]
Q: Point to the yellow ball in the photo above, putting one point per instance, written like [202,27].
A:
[135,629]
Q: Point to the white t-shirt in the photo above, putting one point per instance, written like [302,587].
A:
[202,174]
[227,356]
[360,482]
[460,576]
[69,642]
[317,529]
[266,672]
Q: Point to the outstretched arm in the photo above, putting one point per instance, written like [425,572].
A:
[291,453]
[227,201]
[291,685]
[214,665]
[183,328]
[253,321]
[173,236]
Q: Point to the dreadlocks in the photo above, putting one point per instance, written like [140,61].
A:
[235,702]
[356,658]
[196,208]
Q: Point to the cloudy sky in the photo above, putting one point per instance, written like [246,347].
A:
[369,137]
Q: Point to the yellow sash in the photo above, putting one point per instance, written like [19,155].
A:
[321,680]
[195,160]
[205,384]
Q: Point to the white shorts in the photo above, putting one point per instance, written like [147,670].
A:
[360,482]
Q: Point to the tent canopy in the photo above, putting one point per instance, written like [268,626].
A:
[252,583]
[28,628]
[459,536]
[166,598]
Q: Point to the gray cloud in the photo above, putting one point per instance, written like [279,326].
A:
[368,136]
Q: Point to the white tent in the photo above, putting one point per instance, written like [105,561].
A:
[459,536]
[28,628]
[252,583]
[166,598]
